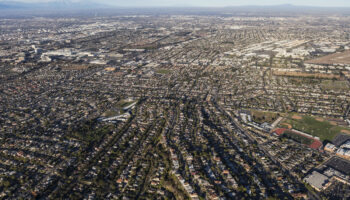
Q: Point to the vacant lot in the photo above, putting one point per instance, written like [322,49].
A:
[264,116]
[306,75]
[322,129]
[345,131]
[335,85]
[336,58]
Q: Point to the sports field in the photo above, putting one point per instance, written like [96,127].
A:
[313,126]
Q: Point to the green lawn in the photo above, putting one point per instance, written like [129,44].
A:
[324,130]
[163,71]
[335,85]
[264,116]
[123,103]
[111,113]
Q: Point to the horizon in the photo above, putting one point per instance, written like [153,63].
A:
[198,3]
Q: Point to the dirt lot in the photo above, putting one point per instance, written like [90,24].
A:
[345,131]
[306,75]
[336,58]
[319,119]
[296,117]
[287,125]
[333,123]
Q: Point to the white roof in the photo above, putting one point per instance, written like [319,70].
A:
[346,144]
[329,146]
[344,152]
[317,180]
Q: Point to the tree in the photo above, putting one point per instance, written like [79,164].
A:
[6,184]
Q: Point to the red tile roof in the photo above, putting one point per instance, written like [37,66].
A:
[280,131]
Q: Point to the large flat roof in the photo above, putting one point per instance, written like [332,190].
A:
[340,139]
[317,180]
[339,164]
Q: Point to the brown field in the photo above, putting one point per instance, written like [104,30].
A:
[333,123]
[336,58]
[319,119]
[110,69]
[345,131]
[296,117]
[306,75]
[287,125]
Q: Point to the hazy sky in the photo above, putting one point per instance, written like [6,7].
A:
[143,3]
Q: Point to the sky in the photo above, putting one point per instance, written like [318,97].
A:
[213,3]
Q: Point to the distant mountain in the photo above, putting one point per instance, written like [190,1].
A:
[59,4]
